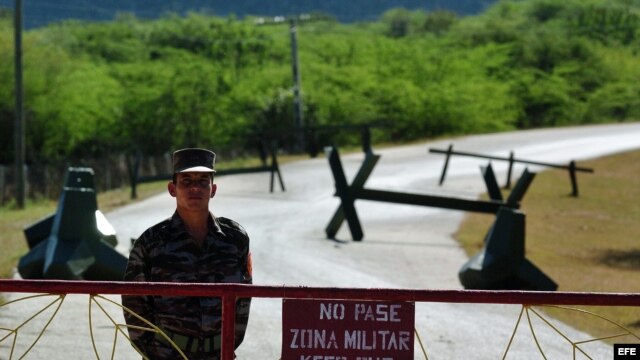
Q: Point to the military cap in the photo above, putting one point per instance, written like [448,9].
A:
[193,160]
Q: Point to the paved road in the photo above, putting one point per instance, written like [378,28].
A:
[404,246]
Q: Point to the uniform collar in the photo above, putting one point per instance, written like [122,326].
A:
[214,224]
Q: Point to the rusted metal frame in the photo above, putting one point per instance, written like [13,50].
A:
[571,168]
[231,292]
[309,292]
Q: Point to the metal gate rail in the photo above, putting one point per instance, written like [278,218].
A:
[229,293]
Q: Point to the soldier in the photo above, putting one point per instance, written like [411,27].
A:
[191,246]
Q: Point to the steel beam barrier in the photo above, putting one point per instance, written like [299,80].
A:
[349,193]
[571,168]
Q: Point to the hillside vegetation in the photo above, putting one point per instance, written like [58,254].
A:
[42,12]
[148,86]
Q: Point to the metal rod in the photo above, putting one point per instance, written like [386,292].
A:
[297,87]
[275,169]
[357,183]
[347,200]
[305,292]
[227,345]
[429,200]
[510,171]
[521,188]
[365,133]
[462,153]
[492,183]
[572,175]
[446,164]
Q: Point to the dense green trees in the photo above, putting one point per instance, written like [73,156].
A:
[132,85]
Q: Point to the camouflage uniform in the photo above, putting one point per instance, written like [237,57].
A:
[166,253]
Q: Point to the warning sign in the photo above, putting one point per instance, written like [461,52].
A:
[347,330]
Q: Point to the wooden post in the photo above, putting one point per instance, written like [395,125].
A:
[510,171]
[574,181]
[446,164]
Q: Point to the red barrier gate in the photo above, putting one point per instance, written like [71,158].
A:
[230,292]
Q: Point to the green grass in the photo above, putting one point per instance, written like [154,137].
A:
[12,222]
[587,244]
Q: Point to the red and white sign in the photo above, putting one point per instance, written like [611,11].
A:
[347,330]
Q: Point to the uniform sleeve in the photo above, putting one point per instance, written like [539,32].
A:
[141,305]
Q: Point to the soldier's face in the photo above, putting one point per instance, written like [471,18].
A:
[193,190]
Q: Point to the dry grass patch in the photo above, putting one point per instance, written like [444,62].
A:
[587,244]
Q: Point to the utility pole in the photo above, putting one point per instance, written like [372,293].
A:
[18,129]
[297,98]
[298,119]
